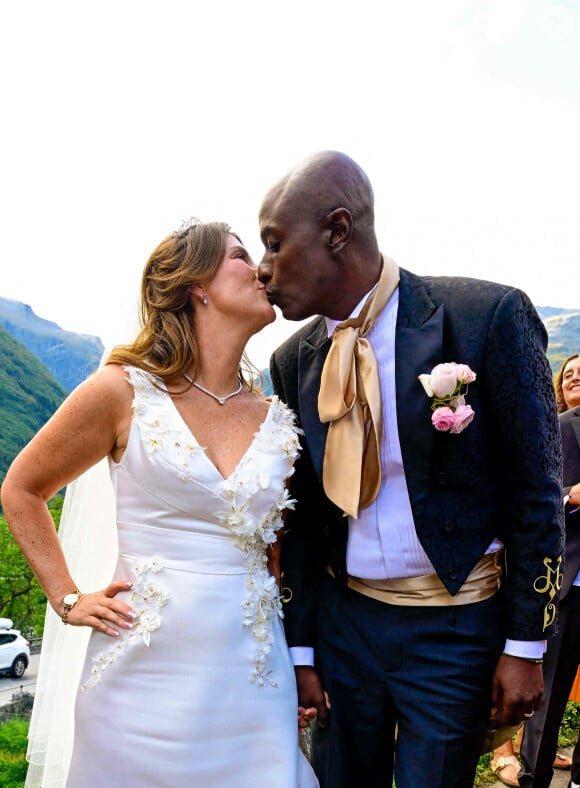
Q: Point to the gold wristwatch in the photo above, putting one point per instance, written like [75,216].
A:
[68,603]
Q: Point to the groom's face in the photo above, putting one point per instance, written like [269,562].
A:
[296,268]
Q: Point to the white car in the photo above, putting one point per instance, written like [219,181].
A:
[14,650]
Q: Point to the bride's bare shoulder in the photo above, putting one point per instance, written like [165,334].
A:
[110,375]
[109,387]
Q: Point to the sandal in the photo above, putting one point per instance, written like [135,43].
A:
[562,761]
[506,770]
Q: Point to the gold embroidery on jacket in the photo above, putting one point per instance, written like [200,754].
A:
[550,584]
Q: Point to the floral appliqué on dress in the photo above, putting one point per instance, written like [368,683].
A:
[262,604]
[147,599]
[149,406]
[277,437]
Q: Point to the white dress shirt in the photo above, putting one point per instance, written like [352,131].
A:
[382,542]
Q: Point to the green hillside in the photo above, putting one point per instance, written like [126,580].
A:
[29,395]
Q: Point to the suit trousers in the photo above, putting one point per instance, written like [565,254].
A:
[410,690]
[540,739]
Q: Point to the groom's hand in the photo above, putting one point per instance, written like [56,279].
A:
[517,688]
[311,695]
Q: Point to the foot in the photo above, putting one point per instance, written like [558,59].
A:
[506,770]
[562,761]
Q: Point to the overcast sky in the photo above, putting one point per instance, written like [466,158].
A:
[121,118]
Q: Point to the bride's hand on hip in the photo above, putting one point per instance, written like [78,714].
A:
[102,611]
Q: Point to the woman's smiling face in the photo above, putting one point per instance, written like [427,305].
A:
[571,383]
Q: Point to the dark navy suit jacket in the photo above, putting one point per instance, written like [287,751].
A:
[570,430]
[501,477]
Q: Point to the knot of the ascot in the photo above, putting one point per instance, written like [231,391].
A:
[350,400]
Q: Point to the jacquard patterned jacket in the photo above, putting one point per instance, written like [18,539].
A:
[501,477]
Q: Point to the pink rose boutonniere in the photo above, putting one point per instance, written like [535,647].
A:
[448,384]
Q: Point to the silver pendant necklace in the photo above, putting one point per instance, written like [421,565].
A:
[221,400]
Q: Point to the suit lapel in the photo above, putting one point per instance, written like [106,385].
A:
[418,348]
[575,422]
[570,446]
[312,353]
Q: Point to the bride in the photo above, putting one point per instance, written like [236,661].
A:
[187,678]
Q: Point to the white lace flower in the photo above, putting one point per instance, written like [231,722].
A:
[154,435]
[147,598]
[149,621]
[284,501]
[262,632]
[253,475]
[155,426]
[154,596]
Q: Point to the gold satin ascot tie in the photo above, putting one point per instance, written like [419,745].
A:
[350,399]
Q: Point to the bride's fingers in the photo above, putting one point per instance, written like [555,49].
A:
[96,616]
[116,614]
[305,717]
[102,612]
[106,620]
[118,605]
[124,611]
[117,586]
[102,625]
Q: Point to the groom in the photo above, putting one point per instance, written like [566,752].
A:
[404,523]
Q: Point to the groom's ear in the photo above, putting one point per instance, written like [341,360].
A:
[338,227]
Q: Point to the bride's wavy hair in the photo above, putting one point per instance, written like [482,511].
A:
[166,344]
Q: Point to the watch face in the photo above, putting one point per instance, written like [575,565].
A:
[70,599]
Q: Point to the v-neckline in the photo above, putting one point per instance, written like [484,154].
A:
[203,449]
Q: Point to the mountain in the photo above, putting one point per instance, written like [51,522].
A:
[29,395]
[69,356]
[563,327]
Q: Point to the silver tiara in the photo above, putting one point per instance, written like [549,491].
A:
[186,225]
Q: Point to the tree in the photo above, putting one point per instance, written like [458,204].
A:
[21,597]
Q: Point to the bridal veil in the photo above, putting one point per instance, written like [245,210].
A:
[88,536]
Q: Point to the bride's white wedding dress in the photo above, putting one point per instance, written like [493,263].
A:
[201,691]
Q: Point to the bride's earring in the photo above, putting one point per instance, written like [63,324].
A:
[204,300]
